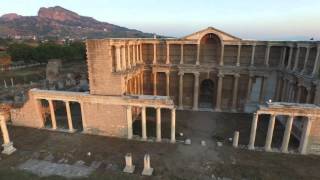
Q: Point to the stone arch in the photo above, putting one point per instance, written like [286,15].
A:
[206,94]
[210,48]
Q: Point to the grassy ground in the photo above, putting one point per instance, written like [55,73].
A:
[170,161]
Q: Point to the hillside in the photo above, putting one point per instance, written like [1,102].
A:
[62,23]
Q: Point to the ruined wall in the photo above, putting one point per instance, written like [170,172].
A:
[106,120]
[314,138]
[100,66]
[28,115]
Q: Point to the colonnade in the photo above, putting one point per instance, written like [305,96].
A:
[127,55]
[158,123]
[154,75]
[291,91]
[7,144]
[219,90]
[286,136]
[292,64]
[134,84]
[53,115]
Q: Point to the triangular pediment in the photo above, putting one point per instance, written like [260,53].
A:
[223,35]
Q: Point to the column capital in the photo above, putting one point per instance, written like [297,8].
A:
[180,73]
[167,72]
[220,75]
[196,74]
[236,75]
[254,44]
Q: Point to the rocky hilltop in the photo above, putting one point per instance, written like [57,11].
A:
[62,23]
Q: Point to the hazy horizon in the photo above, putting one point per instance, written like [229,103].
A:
[248,19]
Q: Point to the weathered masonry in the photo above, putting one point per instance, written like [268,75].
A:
[209,70]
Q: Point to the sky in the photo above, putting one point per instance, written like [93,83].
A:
[247,19]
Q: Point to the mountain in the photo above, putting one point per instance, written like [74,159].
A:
[62,23]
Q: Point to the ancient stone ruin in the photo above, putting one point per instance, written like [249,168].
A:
[209,70]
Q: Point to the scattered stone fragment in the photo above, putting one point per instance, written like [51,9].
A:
[187,141]
[181,134]
[129,166]
[203,143]
[95,164]
[147,169]
[61,161]
[79,163]
[50,158]
[219,144]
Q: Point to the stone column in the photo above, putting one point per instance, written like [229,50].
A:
[252,55]
[219,92]
[235,92]
[129,56]
[158,124]
[298,94]
[142,83]
[235,139]
[278,88]
[306,60]
[129,121]
[134,59]
[154,53]
[7,144]
[198,54]
[290,58]
[249,89]
[118,58]
[168,54]
[296,61]
[195,91]
[283,57]
[222,55]
[305,135]
[123,55]
[308,99]
[283,94]
[154,83]
[315,70]
[272,120]
[53,116]
[173,125]
[137,53]
[267,55]
[167,83]
[181,57]
[286,136]
[70,124]
[238,55]
[180,90]
[144,123]
[141,55]
[253,131]
[263,89]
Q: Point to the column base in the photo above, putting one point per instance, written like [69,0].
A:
[8,148]
[158,140]
[268,149]
[173,141]
[129,169]
[251,147]
[180,107]
[217,109]
[144,139]
[195,109]
[147,172]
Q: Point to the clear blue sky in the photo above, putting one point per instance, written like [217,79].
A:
[248,19]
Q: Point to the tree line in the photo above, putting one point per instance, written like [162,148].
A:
[45,51]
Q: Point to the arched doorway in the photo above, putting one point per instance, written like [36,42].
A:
[206,94]
[210,49]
